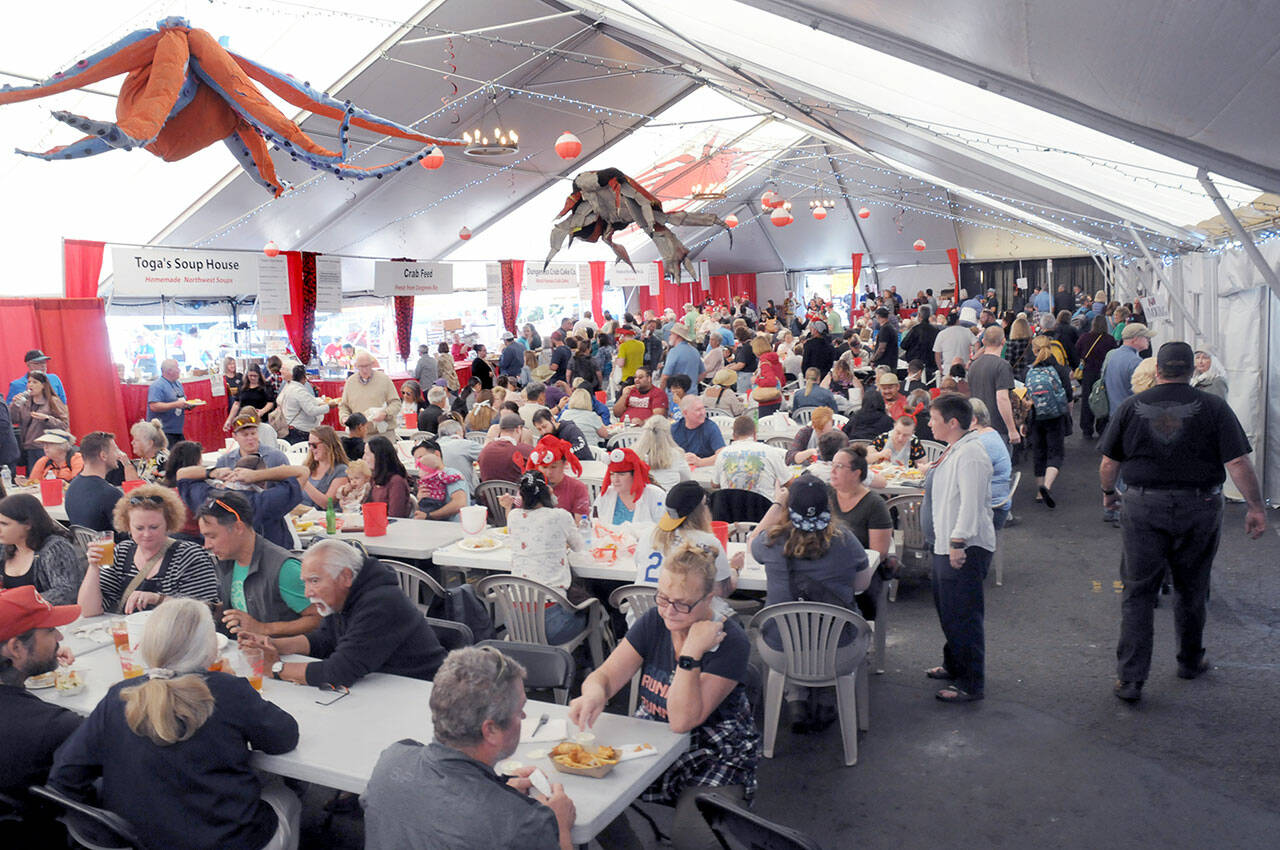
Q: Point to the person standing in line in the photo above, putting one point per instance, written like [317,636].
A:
[1174,445]
[167,401]
[957,503]
[991,379]
[1092,347]
[426,370]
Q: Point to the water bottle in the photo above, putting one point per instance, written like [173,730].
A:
[6,477]
[584,527]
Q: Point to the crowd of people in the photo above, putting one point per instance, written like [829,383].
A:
[206,545]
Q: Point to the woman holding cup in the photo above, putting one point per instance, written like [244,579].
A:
[35,550]
[140,573]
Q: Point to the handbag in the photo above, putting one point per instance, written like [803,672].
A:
[140,577]
[1078,374]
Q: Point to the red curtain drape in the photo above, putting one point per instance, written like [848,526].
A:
[512,282]
[81,267]
[404,324]
[301,323]
[725,286]
[857,272]
[953,254]
[72,331]
[597,289]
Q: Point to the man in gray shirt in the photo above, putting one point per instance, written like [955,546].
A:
[427,371]
[991,379]
[445,795]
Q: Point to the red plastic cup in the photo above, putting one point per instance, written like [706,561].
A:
[375,518]
[411,420]
[721,531]
[601,397]
[132,484]
[50,491]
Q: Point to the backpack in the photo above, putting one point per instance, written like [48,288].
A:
[1046,391]
[1099,401]
[462,605]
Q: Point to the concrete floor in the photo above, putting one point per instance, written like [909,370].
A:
[1050,758]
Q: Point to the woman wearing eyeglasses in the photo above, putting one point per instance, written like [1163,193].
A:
[326,467]
[694,673]
[150,567]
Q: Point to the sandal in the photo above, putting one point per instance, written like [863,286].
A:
[954,693]
[938,673]
[1047,497]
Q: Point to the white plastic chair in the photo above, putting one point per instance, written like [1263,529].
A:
[908,536]
[625,438]
[932,450]
[811,656]
[839,420]
[803,415]
[999,555]
[634,600]
[740,531]
[521,604]
[412,581]
[478,437]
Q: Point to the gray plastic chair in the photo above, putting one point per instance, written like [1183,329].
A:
[909,539]
[90,826]
[452,635]
[634,599]
[811,656]
[521,605]
[726,818]
[489,493]
[413,581]
[81,537]
[932,450]
[546,667]
[780,442]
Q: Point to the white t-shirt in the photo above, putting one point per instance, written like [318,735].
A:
[952,342]
[751,465]
[540,544]
[649,559]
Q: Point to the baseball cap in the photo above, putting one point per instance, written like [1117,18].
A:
[1175,357]
[244,422]
[808,504]
[1136,329]
[23,609]
[35,355]
[508,335]
[681,501]
[888,379]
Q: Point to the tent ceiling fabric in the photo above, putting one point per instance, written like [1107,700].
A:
[808,113]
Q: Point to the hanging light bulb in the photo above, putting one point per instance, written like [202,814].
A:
[271,249]
[780,216]
[568,146]
[864,213]
[465,233]
[434,159]
[731,221]
[918,245]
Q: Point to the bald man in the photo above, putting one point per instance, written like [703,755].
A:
[167,401]
[372,393]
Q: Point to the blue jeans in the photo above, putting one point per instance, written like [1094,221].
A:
[564,625]
[957,596]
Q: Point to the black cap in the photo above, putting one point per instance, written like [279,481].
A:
[681,500]
[808,504]
[35,355]
[1175,359]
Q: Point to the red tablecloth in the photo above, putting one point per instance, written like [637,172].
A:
[203,424]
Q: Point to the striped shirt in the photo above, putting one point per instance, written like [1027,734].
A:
[187,570]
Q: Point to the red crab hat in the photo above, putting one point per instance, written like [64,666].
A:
[549,450]
[626,460]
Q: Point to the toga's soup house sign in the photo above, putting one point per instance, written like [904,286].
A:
[181,273]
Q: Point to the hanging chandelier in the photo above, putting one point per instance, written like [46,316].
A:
[501,143]
[708,192]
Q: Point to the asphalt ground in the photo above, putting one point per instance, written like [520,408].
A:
[1050,758]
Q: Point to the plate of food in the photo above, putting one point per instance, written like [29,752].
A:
[197,402]
[484,543]
[43,681]
[578,760]
[68,681]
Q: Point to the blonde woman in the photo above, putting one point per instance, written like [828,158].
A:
[667,463]
[1045,377]
[326,467]
[813,394]
[580,412]
[167,743]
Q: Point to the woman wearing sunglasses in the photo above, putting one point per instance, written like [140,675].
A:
[694,674]
[140,573]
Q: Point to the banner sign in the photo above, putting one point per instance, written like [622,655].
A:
[556,276]
[704,274]
[183,273]
[647,275]
[273,286]
[328,285]
[493,284]
[401,278]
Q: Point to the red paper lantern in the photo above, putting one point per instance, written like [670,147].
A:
[918,244]
[434,159]
[271,249]
[731,221]
[781,217]
[464,234]
[771,200]
[819,213]
[568,146]
[864,213]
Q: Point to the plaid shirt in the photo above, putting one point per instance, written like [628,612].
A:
[721,753]
[275,380]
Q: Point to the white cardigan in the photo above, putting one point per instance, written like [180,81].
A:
[960,497]
[649,507]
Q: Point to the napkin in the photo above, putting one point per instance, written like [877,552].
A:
[552,730]
[627,752]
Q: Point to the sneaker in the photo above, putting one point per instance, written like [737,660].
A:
[1128,691]
[1111,516]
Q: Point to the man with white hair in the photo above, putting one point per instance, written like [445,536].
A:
[369,626]
[437,405]
[445,795]
[167,401]
[696,434]
[372,393]
[459,453]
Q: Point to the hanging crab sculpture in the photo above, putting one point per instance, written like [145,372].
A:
[608,201]
[184,91]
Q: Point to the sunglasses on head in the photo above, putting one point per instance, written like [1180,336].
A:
[146,500]
[218,503]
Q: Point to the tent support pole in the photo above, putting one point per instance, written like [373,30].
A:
[1246,241]
[1160,279]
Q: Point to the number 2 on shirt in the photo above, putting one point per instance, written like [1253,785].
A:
[651,571]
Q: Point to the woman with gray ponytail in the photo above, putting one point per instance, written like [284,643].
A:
[171,750]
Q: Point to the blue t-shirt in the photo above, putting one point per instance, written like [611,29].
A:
[684,360]
[622,513]
[703,441]
[165,390]
[271,457]
[1001,467]
[19,385]
[1118,373]
[726,335]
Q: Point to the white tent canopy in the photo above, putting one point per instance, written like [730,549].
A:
[1005,130]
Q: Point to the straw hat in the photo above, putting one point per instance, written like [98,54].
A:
[725,378]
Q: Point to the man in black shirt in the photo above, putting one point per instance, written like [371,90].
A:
[886,350]
[481,369]
[436,406]
[1171,443]
[918,343]
[33,728]
[90,499]
[560,357]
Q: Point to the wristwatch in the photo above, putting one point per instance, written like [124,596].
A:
[276,668]
[688,662]
[957,544]
[1107,492]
